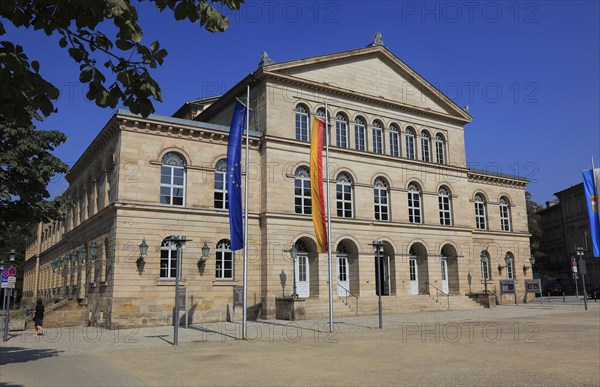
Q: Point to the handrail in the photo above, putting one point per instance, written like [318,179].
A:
[353,295]
[437,291]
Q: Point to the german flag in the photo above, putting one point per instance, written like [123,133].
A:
[316,184]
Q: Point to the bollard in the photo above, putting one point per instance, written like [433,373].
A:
[563,296]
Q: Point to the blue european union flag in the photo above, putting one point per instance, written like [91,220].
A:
[234,175]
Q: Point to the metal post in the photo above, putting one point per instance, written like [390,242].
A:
[294,292]
[515,285]
[5,315]
[584,291]
[377,264]
[576,286]
[176,317]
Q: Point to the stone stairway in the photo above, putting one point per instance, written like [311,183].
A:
[394,304]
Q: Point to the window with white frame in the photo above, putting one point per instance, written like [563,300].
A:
[445,207]
[504,214]
[380,191]
[480,217]
[302,123]
[425,146]
[302,191]
[410,143]
[510,267]
[440,149]
[224,260]
[221,199]
[485,267]
[343,191]
[394,141]
[360,137]
[168,260]
[172,179]
[341,130]
[377,137]
[414,203]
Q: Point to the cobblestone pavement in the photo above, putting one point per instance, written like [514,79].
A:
[549,344]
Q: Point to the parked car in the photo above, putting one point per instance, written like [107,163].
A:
[553,289]
[593,292]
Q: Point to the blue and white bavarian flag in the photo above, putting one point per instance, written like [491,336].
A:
[234,175]
[591,180]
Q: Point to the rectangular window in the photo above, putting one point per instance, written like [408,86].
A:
[480,216]
[425,155]
[341,134]
[220,194]
[504,217]
[410,147]
[344,200]
[444,208]
[168,261]
[302,126]
[377,140]
[359,137]
[109,186]
[440,152]
[302,196]
[414,207]
[485,270]
[224,265]
[394,146]
[381,204]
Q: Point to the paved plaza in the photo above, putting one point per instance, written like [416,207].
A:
[550,344]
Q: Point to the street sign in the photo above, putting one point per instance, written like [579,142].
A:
[12,271]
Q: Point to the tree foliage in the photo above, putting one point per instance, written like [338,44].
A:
[114,65]
[122,53]
[535,227]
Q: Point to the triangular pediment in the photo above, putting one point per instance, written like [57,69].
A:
[374,73]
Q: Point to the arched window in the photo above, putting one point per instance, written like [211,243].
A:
[360,137]
[224,260]
[380,191]
[377,137]
[410,143]
[414,203]
[168,260]
[220,195]
[425,146]
[504,214]
[480,216]
[394,140]
[445,207]
[343,191]
[302,191]
[440,149]
[485,266]
[341,130]
[301,123]
[172,179]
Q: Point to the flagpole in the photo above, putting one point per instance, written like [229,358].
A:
[245,280]
[329,244]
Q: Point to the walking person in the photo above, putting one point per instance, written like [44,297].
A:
[38,318]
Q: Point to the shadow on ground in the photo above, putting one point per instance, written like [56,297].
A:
[9,355]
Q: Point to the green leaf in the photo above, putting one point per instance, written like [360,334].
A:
[35,65]
[86,75]
[124,44]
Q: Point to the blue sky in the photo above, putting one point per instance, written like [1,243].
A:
[529,71]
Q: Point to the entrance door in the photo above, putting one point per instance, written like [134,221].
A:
[302,277]
[444,267]
[343,284]
[414,275]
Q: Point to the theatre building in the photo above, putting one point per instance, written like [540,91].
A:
[398,174]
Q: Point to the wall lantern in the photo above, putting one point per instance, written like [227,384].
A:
[140,261]
[203,258]
[93,250]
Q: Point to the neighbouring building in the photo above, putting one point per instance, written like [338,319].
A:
[566,227]
[398,174]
